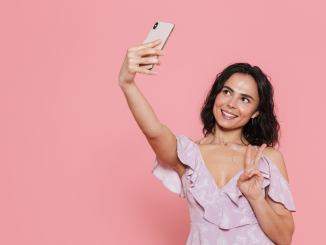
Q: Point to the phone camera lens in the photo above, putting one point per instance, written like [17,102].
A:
[155,25]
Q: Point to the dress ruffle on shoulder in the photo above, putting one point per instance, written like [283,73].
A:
[279,188]
[227,208]
[186,150]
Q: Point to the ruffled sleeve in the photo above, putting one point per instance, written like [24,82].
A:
[279,188]
[169,177]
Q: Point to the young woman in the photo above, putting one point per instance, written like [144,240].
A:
[233,198]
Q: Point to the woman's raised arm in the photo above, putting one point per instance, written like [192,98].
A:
[160,137]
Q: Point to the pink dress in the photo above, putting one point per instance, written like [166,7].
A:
[220,217]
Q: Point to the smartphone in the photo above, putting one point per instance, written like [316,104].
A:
[160,30]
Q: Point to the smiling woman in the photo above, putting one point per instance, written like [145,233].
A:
[232,197]
[249,89]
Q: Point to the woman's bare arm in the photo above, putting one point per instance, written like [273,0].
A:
[160,137]
[274,219]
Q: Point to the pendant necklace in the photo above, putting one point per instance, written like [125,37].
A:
[225,144]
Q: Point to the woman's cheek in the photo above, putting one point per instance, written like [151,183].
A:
[244,110]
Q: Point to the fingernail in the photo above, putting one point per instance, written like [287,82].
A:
[159,62]
[163,52]
[158,40]
[155,72]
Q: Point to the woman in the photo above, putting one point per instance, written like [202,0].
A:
[232,198]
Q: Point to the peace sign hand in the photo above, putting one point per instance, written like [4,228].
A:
[251,181]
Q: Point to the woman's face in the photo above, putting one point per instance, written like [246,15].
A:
[239,97]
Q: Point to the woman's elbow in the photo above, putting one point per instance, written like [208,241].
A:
[286,239]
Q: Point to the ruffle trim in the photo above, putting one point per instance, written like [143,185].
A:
[169,177]
[227,208]
[279,187]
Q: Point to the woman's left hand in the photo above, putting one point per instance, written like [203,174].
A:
[251,181]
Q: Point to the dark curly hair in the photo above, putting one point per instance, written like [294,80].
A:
[266,127]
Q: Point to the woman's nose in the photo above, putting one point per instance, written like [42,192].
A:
[232,103]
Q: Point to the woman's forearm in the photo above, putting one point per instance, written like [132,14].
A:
[141,110]
[278,228]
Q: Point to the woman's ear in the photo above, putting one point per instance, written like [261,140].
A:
[255,114]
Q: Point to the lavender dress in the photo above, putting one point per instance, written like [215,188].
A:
[220,217]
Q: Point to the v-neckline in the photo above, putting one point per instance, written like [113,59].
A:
[211,174]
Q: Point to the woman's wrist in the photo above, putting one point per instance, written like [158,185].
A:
[125,86]
[256,201]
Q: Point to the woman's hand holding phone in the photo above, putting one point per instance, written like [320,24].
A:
[137,55]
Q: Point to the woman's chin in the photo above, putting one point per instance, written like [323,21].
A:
[226,125]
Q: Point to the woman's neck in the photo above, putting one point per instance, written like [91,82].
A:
[225,135]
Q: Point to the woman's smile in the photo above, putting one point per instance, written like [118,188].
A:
[227,115]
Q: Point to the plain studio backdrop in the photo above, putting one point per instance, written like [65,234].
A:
[74,166]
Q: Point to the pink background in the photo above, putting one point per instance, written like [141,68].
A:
[74,166]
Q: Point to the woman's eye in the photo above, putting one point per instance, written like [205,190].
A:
[226,91]
[245,99]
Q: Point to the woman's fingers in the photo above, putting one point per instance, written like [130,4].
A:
[253,172]
[258,155]
[148,52]
[146,45]
[242,177]
[149,60]
[134,69]
[248,164]
[249,173]
[142,54]
[249,169]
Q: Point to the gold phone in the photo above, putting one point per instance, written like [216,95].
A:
[160,30]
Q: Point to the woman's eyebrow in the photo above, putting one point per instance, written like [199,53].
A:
[245,95]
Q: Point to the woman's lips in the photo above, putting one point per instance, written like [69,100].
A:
[226,117]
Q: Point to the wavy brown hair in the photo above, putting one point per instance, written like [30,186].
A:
[266,128]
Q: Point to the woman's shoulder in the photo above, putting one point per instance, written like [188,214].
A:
[276,157]
[184,137]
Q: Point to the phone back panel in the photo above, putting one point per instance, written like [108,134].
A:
[162,31]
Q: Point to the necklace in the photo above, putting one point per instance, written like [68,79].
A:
[225,144]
